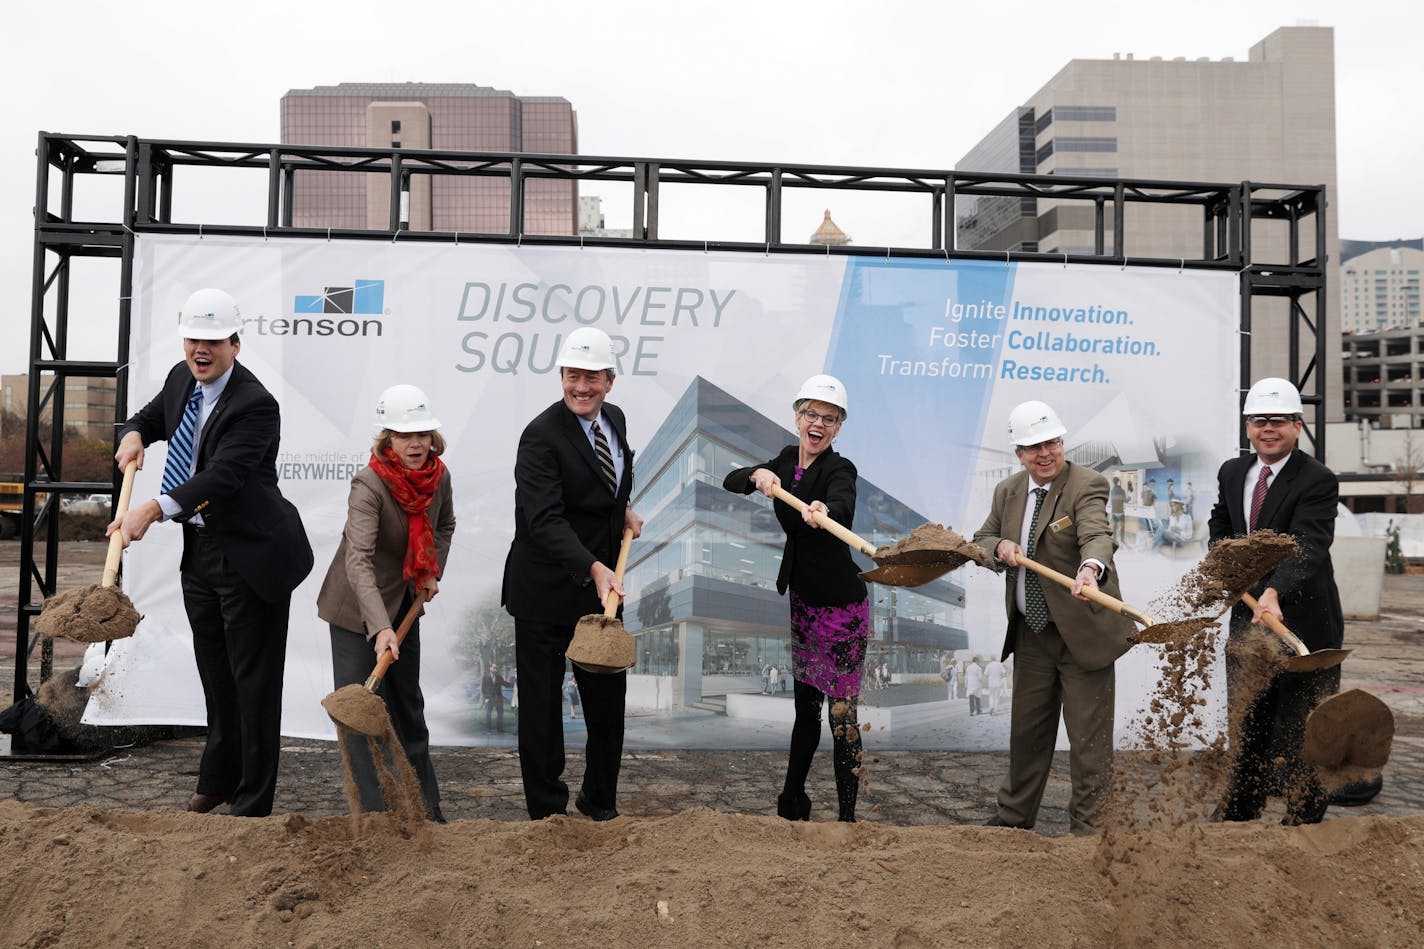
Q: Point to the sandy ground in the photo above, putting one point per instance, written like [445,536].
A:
[691,876]
[699,878]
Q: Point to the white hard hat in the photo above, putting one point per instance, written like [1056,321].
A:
[405,409]
[209,314]
[587,348]
[823,388]
[1034,422]
[1272,397]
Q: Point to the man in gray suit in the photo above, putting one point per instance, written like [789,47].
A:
[1055,513]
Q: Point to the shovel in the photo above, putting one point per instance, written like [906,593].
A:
[1092,593]
[95,614]
[1304,660]
[600,642]
[1348,733]
[358,707]
[897,566]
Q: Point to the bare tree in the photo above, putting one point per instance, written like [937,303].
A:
[1406,470]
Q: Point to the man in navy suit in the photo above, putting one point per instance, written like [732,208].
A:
[1280,488]
[573,476]
[244,548]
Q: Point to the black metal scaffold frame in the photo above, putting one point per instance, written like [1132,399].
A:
[148,168]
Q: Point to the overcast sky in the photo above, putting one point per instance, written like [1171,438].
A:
[902,84]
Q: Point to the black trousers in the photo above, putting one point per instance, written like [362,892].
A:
[240,645]
[539,661]
[352,660]
[1274,727]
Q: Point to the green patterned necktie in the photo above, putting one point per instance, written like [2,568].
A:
[1035,607]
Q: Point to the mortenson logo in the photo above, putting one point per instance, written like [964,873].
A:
[337,311]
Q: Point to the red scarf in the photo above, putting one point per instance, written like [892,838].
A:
[413,491]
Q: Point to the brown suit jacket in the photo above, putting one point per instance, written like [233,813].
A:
[363,589]
[1077,503]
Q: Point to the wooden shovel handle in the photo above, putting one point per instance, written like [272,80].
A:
[1277,627]
[116,539]
[610,602]
[383,662]
[1092,593]
[843,533]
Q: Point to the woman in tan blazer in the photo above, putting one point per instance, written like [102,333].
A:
[399,523]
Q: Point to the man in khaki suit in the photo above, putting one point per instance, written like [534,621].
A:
[1055,513]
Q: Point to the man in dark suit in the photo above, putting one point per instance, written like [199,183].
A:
[1280,488]
[573,476]
[244,548]
[1055,513]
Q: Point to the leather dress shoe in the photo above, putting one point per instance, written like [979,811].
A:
[587,809]
[997,821]
[202,803]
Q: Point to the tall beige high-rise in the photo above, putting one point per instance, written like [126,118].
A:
[442,116]
[1269,119]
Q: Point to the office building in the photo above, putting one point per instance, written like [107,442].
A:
[441,116]
[701,581]
[88,405]
[1269,118]
[1379,290]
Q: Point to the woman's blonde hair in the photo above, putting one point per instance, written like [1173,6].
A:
[383,441]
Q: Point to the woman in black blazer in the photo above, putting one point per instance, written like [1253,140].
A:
[830,611]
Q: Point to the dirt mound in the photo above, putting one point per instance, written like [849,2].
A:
[83,876]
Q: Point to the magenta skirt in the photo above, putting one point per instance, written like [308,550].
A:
[828,645]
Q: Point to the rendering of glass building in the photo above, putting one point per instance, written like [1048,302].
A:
[701,581]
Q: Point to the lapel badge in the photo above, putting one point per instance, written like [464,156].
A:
[1063,522]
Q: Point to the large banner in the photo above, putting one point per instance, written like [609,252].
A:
[1141,365]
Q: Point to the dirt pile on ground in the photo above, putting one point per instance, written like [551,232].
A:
[84,876]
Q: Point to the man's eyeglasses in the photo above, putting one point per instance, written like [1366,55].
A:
[810,416]
[1275,421]
[1053,444]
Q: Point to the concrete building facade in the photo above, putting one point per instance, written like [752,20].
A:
[1379,290]
[442,116]
[1270,118]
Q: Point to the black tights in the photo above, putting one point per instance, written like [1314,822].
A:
[806,736]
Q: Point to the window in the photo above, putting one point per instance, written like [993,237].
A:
[1086,143]
[1086,113]
[395,126]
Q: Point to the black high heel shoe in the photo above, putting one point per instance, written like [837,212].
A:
[794,806]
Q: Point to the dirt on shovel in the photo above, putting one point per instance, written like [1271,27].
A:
[90,614]
[931,544]
[927,553]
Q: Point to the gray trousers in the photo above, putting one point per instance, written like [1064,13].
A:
[352,660]
[1047,682]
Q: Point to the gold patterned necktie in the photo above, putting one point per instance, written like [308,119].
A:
[1035,607]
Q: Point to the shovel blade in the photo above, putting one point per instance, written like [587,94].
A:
[1320,659]
[1352,729]
[906,575]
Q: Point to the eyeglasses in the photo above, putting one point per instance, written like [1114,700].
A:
[1275,421]
[1053,444]
[810,416]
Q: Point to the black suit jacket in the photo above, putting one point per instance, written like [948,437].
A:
[1302,502]
[565,518]
[235,484]
[815,563]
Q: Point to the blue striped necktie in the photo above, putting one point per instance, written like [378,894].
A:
[180,447]
[605,458]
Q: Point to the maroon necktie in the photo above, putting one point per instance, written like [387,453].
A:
[1258,496]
